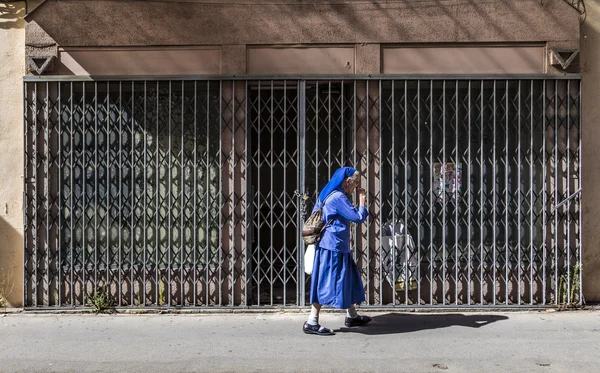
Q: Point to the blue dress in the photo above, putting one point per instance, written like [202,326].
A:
[336,281]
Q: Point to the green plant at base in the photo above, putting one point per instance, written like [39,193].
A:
[573,280]
[101,299]
[161,290]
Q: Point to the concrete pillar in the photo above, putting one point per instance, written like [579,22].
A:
[590,66]
[368,58]
[12,68]
[233,59]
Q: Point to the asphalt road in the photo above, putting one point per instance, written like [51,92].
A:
[393,342]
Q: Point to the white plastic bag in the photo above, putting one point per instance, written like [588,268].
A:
[309,259]
[399,255]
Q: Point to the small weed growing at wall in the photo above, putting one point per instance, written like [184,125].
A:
[100,300]
[570,299]
[161,293]
[7,286]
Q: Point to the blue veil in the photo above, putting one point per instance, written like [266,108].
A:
[335,183]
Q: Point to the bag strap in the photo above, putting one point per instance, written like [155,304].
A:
[321,208]
[326,198]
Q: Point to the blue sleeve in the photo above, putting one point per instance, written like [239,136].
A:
[344,208]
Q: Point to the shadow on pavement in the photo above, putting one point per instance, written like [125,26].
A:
[396,323]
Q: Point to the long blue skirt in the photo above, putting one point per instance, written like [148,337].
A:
[335,280]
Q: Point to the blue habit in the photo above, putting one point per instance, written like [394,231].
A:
[336,281]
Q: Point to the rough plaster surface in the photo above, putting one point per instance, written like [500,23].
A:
[12,69]
[590,57]
[368,59]
[110,23]
[233,59]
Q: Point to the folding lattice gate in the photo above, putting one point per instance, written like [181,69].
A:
[191,192]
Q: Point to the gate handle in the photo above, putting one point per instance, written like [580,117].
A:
[568,198]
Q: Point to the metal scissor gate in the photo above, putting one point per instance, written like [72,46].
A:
[191,192]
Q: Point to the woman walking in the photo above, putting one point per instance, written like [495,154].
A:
[335,279]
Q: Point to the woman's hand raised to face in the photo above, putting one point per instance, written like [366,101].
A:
[362,196]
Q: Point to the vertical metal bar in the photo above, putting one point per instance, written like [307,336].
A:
[456,194]
[232,188]
[195,247]
[247,197]
[342,126]
[108,163]
[532,170]
[145,235]
[96,186]
[132,191]
[567,206]
[482,164]
[431,256]
[544,193]
[495,202]
[579,223]
[34,282]
[393,188]
[182,191]
[26,225]
[444,206]
[556,191]
[406,252]
[26,165]
[519,208]
[329,128]
[469,227]
[380,165]
[258,192]
[170,203]
[207,197]
[271,280]
[317,139]
[301,143]
[506,203]
[285,246]
[71,213]
[355,151]
[120,264]
[157,192]
[367,128]
[60,198]
[84,199]
[220,178]
[419,201]
[47,190]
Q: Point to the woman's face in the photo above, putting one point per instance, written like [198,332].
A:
[350,184]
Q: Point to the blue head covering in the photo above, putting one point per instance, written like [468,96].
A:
[335,183]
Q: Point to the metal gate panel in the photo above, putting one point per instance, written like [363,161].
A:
[274,174]
[190,193]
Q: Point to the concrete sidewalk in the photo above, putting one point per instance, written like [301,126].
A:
[393,342]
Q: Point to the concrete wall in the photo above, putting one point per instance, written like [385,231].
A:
[366,26]
[12,69]
[590,66]
[109,23]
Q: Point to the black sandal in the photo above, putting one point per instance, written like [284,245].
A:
[316,329]
[358,321]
